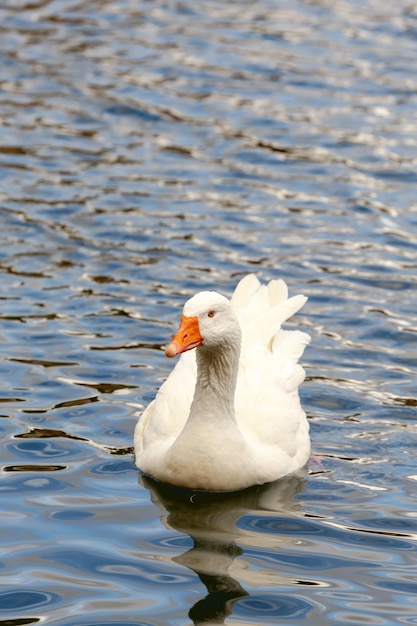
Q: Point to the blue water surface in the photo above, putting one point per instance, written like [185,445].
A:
[150,149]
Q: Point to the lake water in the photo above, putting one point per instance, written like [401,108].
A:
[149,149]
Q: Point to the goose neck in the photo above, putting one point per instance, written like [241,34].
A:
[217,370]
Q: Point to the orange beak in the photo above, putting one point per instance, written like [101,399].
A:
[186,338]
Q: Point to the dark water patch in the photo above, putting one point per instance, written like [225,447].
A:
[34,468]
[116,467]
[46,433]
[72,515]
[272,607]
[45,363]
[25,600]
[77,402]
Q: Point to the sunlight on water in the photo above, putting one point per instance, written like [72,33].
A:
[149,150]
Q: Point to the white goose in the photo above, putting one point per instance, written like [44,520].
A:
[229,416]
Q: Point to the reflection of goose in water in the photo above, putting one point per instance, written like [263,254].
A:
[212,522]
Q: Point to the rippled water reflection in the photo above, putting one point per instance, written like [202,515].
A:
[148,149]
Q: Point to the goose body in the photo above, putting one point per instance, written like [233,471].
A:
[229,415]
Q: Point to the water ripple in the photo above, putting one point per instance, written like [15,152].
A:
[25,600]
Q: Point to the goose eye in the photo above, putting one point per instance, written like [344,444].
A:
[211,313]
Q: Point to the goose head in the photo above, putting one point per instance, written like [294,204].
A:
[208,321]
